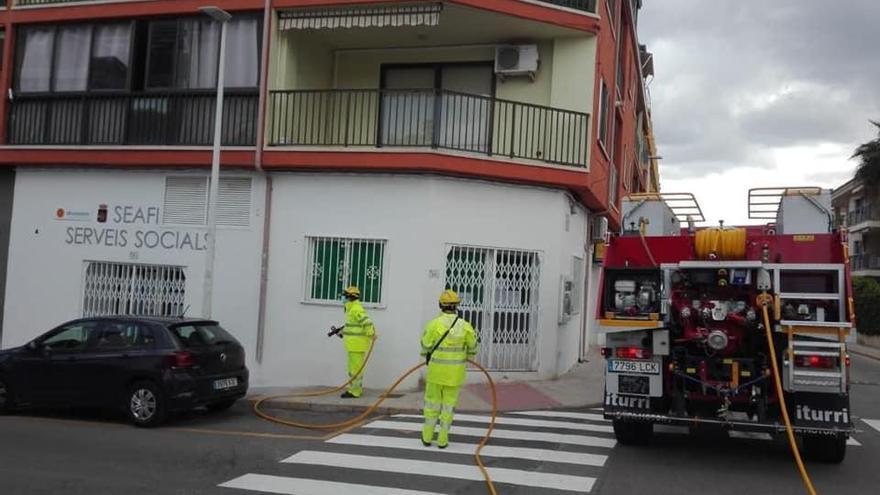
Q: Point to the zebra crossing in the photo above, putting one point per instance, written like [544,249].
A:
[532,452]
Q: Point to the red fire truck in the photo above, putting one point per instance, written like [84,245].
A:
[681,311]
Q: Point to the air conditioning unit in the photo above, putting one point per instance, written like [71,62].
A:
[516,60]
[599,230]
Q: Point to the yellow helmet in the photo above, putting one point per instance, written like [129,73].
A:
[351,291]
[449,298]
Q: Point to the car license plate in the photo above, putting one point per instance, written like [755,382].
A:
[225,383]
[627,366]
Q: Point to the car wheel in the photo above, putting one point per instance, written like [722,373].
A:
[6,404]
[829,449]
[632,432]
[145,405]
[221,406]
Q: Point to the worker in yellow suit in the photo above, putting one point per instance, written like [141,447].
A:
[447,343]
[358,335]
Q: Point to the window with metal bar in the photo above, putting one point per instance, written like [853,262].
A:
[133,289]
[338,262]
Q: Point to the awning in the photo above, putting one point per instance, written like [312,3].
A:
[361,17]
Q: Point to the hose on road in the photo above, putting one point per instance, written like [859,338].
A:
[375,405]
[764,301]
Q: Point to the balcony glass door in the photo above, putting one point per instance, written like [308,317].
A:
[466,107]
[408,107]
[443,105]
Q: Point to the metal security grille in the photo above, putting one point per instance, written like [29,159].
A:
[130,289]
[337,262]
[499,292]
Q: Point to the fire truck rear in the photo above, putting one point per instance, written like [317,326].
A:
[682,316]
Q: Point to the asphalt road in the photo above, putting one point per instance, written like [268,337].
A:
[538,453]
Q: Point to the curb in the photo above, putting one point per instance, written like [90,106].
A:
[384,410]
[875,355]
[308,406]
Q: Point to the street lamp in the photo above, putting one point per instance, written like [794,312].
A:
[221,16]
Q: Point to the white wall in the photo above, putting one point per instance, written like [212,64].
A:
[47,262]
[418,216]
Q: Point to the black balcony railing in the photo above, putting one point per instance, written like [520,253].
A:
[862,214]
[152,118]
[43,2]
[428,118]
[863,261]
[585,5]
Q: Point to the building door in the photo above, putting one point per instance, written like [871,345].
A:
[499,292]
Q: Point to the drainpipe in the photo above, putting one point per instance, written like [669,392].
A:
[585,310]
[258,165]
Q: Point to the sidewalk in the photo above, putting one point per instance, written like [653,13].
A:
[863,350]
[582,386]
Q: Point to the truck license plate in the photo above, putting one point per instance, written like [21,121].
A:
[225,383]
[627,366]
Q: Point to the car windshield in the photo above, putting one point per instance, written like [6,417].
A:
[200,335]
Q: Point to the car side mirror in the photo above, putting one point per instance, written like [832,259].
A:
[34,347]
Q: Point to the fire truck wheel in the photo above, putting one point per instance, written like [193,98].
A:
[632,432]
[830,449]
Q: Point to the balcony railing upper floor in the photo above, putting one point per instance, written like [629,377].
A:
[581,5]
[174,118]
[429,118]
[864,261]
[864,213]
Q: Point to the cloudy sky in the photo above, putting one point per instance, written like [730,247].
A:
[760,93]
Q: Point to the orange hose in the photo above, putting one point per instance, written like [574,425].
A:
[808,483]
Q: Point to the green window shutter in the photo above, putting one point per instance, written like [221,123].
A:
[327,269]
[366,268]
[337,262]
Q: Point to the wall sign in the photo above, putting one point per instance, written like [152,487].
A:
[130,226]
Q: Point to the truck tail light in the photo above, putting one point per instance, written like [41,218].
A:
[182,359]
[632,353]
[813,361]
[605,351]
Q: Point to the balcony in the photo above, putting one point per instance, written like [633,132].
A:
[862,262]
[864,217]
[31,3]
[582,5]
[428,118]
[173,118]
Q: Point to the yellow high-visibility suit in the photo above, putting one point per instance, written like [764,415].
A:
[446,371]
[357,335]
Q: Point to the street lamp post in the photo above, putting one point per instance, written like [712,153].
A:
[222,17]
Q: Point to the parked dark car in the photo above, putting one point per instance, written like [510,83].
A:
[148,367]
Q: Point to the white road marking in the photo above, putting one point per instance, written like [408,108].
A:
[563,414]
[586,441]
[302,486]
[581,484]
[542,455]
[853,442]
[537,423]
[873,423]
